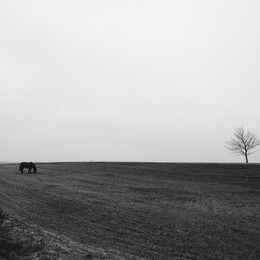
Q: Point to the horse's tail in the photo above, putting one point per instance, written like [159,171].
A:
[21,167]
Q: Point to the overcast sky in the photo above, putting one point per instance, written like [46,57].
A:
[119,80]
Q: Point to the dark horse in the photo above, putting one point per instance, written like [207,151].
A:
[29,166]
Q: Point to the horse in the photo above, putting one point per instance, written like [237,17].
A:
[29,166]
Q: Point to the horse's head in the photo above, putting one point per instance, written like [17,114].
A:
[34,168]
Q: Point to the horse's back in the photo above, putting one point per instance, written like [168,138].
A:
[24,164]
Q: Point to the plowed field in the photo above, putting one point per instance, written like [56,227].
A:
[149,210]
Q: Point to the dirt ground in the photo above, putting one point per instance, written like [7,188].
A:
[137,210]
[45,245]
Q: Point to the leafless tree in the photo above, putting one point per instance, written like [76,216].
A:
[243,142]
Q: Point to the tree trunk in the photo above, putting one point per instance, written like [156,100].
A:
[246,158]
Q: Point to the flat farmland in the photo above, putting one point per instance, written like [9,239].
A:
[147,210]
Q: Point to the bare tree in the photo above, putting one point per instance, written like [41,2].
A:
[243,143]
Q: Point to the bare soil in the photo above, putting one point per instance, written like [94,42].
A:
[40,244]
[136,210]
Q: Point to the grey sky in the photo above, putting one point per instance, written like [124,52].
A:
[127,80]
